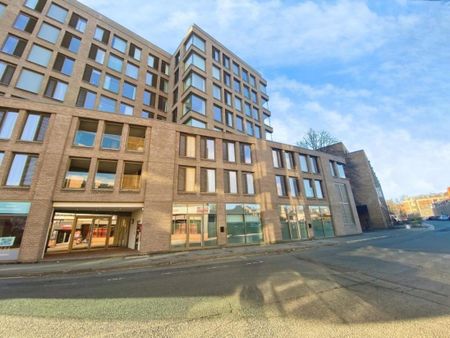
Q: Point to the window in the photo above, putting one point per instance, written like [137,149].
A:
[57,12]
[22,170]
[293,187]
[129,91]
[102,35]
[37,5]
[92,75]
[106,175]
[150,79]
[252,81]
[230,182]
[71,42]
[293,222]
[247,109]
[237,86]
[289,159]
[7,122]
[49,33]
[314,165]
[40,55]
[256,114]
[107,104]
[332,169]
[207,180]
[215,54]
[152,61]
[217,92]
[277,158]
[14,45]
[111,83]
[6,72]
[162,105]
[207,148]
[56,89]
[131,179]
[196,41]
[239,123]
[86,99]
[227,98]
[238,104]
[187,146]
[149,98]
[186,179]
[262,88]
[254,97]
[97,54]
[25,22]
[119,44]
[132,71]
[243,224]
[111,136]
[165,68]
[249,127]
[245,75]
[246,153]
[309,191]
[229,151]
[135,52]
[85,134]
[257,132]
[194,103]
[340,170]
[196,60]
[136,139]
[318,186]
[126,109]
[227,79]
[216,72]
[164,85]
[246,92]
[229,116]
[303,163]
[217,113]
[30,81]
[78,22]
[115,63]
[344,200]
[147,115]
[226,61]
[235,69]
[248,184]
[264,103]
[196,81]
[281,185]
[64,64]
[35,127]
[2,153]
[195,123]
[77,173]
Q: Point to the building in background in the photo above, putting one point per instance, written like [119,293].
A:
[108,141]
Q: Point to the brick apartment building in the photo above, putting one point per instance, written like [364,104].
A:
[107,141]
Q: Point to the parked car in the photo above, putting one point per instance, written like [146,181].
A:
[439,218]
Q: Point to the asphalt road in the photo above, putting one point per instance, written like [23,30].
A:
[391,286]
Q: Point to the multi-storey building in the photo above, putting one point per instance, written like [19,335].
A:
[108,141]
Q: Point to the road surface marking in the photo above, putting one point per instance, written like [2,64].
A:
[365,239]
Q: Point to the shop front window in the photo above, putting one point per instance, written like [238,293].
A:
[321,221]
[293,223]
[243,224]
[13,216]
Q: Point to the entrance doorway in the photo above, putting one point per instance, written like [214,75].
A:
[293,222]
[71,232]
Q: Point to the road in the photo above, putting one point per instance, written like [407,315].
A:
[395,285]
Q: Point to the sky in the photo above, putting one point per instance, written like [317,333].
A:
[373,73]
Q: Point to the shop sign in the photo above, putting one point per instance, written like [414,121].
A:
[15,208]
[6,242]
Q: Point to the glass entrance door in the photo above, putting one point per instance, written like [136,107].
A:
[195,231]
[99,232]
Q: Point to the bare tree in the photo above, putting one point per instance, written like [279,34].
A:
[317,139]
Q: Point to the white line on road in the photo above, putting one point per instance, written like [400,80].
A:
[255,262]
[365,239]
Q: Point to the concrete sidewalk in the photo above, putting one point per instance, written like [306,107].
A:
[127,262]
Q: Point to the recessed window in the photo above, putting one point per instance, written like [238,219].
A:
[186,179]
[195,123]
[126,109]
[246,92]
[229,151]
[165,68]
[277,158]
[194,103]
[207,180]
[303,163]
[135,52]
[111,83]
[56,89]
[262,88]
[256,114]
[309,191]
[77,173]
[35,127]
[194,80]
[111,136]
[6,72]
[131,179]
[150,79]
[14,45]
[247,109]
[92,75]
[248,183]
[30,81]
[239,124]
[37,5]
[7,122]
[78,22]
[207,148]
[132,71]
[129,91]
[217,92]
[22,170]
[252,81]
[102,35]
[318,186]
[289,160]
[254,97]
[115,63]
[340,170]
[2,153]
[281,185]
[25,22]
[227,79]
[149,98]
[162,105]
[226,61]
[196,60]
[105,175]
[64,64]
[244,75]
[293,187]
[238,104]
[86,99]
[85,134]
[217,113]
[136,138]
[187,146]
[314,166]
[164,85]
[264,103]
[57,12]
[216,54]
[107,104]
[228,101]
[230,182]
[196,41]
[257,132]
[235,69]
[216,72]
[229,117]
[97,54]
[71,42]
[152,61]
[40,55]
[147,115]
[119,44]
[49,33]
[246,153]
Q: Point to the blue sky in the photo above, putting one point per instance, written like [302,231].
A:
[375,74]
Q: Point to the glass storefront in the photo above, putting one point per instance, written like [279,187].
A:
[87,231]
[194,226]
[244,223]
[321,221]
[13,217]
[293,222]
